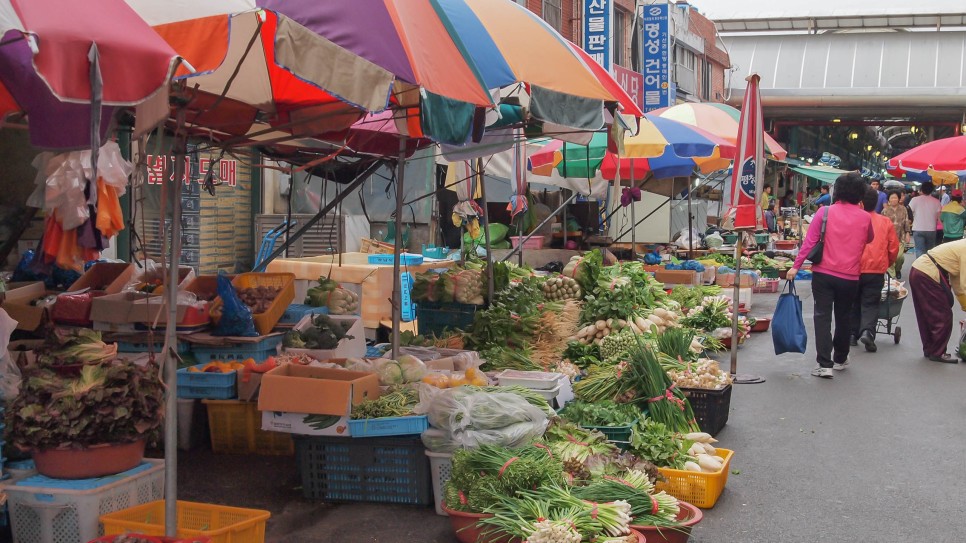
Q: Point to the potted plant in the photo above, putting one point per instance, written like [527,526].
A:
[91,424]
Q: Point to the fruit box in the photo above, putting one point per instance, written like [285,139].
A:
[313,401]
[17,303]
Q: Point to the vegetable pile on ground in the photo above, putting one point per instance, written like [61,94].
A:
[259,299]
[605,413]
[323,333]
[330,294]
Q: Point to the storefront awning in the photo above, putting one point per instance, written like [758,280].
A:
[823,174]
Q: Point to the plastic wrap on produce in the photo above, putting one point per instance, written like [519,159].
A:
[462,417]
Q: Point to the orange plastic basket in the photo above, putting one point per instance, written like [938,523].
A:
[264,322]
[222,524]
[236,428]
[699,489]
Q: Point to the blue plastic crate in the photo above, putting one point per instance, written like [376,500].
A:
[373,351]
[42,481]
[438,253]
[240,351]
[405,259]
[207,392]
[195,378]
[144,347]
[388,426]
[379,469]
[295,312]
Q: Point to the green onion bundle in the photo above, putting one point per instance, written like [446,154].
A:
[398,403]
[633,487]
[676,343]
[603,382]
[481,476]
[665,402]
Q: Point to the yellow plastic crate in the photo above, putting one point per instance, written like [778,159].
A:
[222,524]
[699,489]
[264,322]
[236,428]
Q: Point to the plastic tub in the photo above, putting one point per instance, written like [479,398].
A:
[536,380]
[220,523]
[536,242]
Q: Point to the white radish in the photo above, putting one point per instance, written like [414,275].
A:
[706,462]
[700,437]
[691,466]
[642,323]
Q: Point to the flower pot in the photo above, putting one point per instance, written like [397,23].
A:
[468,531]
[95,461]
[688,516]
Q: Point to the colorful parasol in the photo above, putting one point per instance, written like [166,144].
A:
[941,161]
[718,119]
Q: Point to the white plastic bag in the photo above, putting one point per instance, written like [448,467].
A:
[10,377]
[463,417]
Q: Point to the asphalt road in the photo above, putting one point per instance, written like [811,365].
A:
[876,454]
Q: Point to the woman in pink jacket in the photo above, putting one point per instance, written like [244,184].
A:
[835,281]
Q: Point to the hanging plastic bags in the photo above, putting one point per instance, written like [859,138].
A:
[236,317]
[788,327]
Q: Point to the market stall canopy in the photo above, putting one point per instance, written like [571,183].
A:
[58,57]
[824,174]
[720,120]
[941,161]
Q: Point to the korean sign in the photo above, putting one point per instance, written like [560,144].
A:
[224,170]
[656,56]
[632,82]
[598,31]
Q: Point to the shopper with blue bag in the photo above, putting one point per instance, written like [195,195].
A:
[788,326]
[834,243]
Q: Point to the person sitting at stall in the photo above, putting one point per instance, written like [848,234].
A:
[953,217]
[824,198]
[936,278]
[877,257]
[771,217]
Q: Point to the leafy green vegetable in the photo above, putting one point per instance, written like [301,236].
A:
[654,442]
[582,356]
[324,333]
[604,413]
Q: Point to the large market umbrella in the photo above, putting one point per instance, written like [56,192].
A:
[718,119]
[930,161]
[61,61]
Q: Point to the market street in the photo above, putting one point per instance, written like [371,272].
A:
[872,454]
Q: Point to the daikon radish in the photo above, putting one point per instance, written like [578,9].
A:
[706,462]
[691,466]
[700,437]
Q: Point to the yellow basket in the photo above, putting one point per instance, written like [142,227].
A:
[372,246]
[220,523]
[264,322]
[236,428]
[699,489]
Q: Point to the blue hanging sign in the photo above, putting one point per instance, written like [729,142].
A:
[657,57]
[598,31]
[408,311]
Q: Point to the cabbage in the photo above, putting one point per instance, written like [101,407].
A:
[390,372]
[413,369]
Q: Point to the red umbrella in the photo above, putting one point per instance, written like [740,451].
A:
[945,155]
[57,55]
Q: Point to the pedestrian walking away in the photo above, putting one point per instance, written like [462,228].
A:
[953,217]
[877,257]
[899,215]
[835,280]
[925,214]
[936,278]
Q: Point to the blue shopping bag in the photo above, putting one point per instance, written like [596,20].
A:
[787,326]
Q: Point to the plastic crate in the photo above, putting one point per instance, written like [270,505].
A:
[766,285]
[214,386]
[699,489]
[535,242]
[379,469]
[236,428]
[711,407]
[769,273]
[258,351]
[44,510]
[439,317]
[730,239]
[294,313]
[441,467]
[154,539]
[264,322]
[388,426]
[618,435]
[220,523]
[405,259]
[144,347]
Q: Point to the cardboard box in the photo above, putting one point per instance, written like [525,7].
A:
[348,348]
[108,277]
[728,280]
[291,394]
[155,310]
[116,308]
[678,277]
[16,302]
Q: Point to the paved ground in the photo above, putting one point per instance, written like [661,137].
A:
[876,454]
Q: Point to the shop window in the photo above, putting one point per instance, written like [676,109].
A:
[619,31]
[553,13]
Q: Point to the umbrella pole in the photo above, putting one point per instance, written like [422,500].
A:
[633,211]
[397,250]
[171,337]
[486,232]
[735,303]
[690,225]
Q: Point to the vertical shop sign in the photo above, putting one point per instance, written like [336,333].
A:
[598,27]
[656,41]
[632,82]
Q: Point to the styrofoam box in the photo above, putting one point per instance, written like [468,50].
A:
[536,380]
[61,514]
[348,348]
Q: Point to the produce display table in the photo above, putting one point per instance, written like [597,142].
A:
[374,282]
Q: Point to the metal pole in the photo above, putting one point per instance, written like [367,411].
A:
[735,302]
[633,210]
[690,224]
[396,282]
[171,337]
[539,226]
[486,230]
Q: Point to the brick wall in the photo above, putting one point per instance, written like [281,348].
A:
[717,57]
[568,17]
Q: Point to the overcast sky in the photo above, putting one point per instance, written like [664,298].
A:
[721,9]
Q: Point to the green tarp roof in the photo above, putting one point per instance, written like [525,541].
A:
[824,174]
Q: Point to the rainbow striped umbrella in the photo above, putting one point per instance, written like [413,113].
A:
[720,120]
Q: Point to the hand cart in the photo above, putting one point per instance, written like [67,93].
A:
[889,310]
[268,244]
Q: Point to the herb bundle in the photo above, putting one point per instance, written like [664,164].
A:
[481,477]
[634,487]
[398,403]
[603,413]
[665,402]
[656,443]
